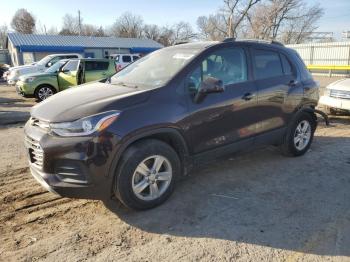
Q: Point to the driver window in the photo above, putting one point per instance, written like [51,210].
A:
[71,66]
[53,61]
[228,65]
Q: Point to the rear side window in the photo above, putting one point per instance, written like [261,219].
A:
[96,65]
[287,67]
[126,59]
[266,64]
[135,58]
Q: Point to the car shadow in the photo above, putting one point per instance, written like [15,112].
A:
[13,117]
[262,198]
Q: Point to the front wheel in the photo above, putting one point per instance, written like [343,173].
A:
[146,174]
[299,135]
[44,92]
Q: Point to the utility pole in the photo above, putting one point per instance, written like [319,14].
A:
[79,21]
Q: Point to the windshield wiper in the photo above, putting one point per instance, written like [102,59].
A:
[126,85]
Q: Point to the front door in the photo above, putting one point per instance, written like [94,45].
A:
[228,117]
[68,76]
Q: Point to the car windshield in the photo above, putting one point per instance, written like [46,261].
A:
[45,60]
[55,67]
[155,69]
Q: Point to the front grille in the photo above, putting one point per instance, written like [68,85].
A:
[340,94]
[36,153]
[39,123]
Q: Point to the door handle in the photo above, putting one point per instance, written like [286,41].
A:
[247,96]
[292,83]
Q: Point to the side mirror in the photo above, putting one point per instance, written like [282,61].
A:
[49,64]
[65,71]
[209,86]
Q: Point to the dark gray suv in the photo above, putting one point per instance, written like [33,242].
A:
[132,135]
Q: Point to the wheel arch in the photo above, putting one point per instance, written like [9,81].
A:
[45,84]
[170,136]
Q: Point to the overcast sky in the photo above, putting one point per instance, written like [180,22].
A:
[161,12]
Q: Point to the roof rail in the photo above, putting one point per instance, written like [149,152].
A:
[229,39]
[181,42]
[274,42]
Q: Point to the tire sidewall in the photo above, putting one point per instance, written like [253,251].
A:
[129,162]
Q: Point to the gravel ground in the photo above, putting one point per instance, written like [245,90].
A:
[256,206]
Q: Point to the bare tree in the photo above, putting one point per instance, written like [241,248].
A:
[23,22]
[3,36]
[227,21]
[286,20]
[128,25]
[301,30]
[152,32]
[183,31]
[70,25]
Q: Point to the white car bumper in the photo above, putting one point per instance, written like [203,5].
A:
[337,103]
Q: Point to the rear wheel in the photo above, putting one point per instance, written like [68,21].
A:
[146,174]
[44,92]
[299,135]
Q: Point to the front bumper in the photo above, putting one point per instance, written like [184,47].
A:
[24,89]
[76,167]
[338,103]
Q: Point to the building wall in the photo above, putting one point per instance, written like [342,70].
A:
[15,56]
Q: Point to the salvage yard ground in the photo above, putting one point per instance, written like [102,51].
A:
[258,206]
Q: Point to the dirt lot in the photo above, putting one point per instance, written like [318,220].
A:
[259,206]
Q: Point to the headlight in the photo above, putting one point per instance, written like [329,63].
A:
[29,79]
[85,126]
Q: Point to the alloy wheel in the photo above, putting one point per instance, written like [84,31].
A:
[152,178]
[302,135]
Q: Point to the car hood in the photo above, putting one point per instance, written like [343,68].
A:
[343,84]
[39,74]
[28,69]
[87,99]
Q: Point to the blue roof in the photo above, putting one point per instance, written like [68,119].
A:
[28,42]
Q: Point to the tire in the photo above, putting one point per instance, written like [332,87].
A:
[289,146]
[43,92]
[136,189]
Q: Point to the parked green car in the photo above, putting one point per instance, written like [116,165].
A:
[62,75]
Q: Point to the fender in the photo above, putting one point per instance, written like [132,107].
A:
[126,142]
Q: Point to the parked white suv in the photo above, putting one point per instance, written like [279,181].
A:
[337,96]
[122,60]
[40,66]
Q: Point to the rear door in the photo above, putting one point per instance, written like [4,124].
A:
[69,74]
[95,70]
[275,78]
